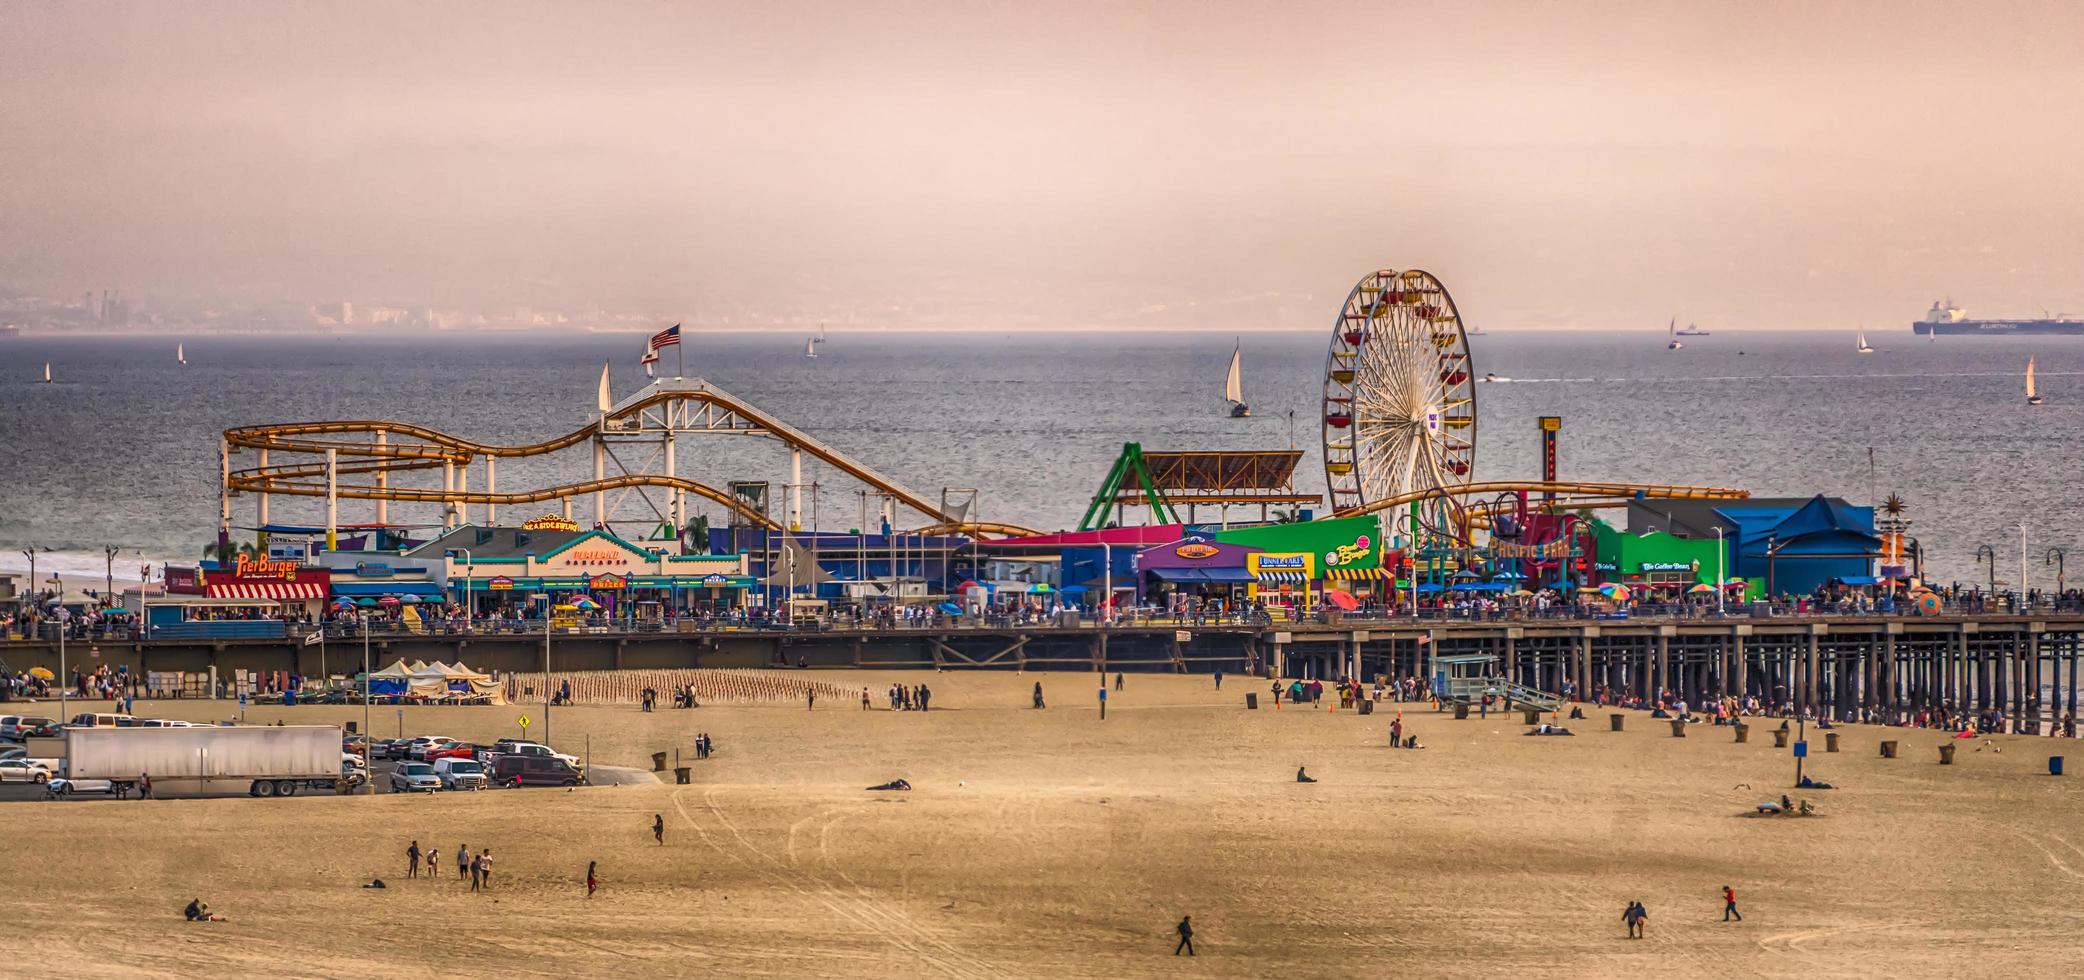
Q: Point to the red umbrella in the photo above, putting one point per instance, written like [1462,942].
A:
[1341,599]
[387,601]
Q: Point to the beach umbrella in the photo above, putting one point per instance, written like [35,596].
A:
[343,603]
[584,603]
[1507,576]
[951,609]
[410,600]
[1342,599]
[366,603]
[43,673]
[1466,574]
[1929,602]
[1521,592]
[388,601]
[1703,587]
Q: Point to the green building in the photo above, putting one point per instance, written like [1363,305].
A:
[1658,561]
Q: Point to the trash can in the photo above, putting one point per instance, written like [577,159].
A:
[1613,722]
[1532,715]
[2054,765]
[1743,732]
[658,762]
[1780,738]
[1888,750]
[1367,707]
[1678,728]
[1830,742]
[681,776]
[1251,700]
[1946,754]
[1461,710]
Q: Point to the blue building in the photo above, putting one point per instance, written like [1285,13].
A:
[1783,546]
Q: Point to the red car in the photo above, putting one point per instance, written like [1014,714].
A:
[456,751]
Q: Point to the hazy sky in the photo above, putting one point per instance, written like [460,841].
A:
[1054,164]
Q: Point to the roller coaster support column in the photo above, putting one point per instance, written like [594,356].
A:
[383,480]
[600,472]
[491,486]
[796,492]
[462,488]
[673,496]
[260,509]
[332,500]
[448,495]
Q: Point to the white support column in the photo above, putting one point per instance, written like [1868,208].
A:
[491,486]
[383,481]
[462,487]
[448,494]
[261,509]
[600,472]
[332,499]
[567,502]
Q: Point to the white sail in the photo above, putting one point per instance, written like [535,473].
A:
[607,401]
[2030,392]
[180,353]
[1860,344]
[810,347]
[46,372]
[1234,382]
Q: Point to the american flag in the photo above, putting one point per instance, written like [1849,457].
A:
[664,338]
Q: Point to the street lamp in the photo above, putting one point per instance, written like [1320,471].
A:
[468,566]
[1721,573]
[64,674]
[1984,554]
[2054,557]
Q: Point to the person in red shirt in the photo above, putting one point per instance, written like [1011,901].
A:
[1729,904]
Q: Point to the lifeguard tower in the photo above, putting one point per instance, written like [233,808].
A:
[1464,678]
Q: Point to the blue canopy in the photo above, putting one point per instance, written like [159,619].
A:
[1217,576]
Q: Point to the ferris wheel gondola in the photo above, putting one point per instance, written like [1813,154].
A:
[1399,392]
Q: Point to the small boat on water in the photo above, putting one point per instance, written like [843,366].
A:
[1672,330]
[810,347]
[1861,347]
[1492,379]
[2033,395]
[180,354]
[46,372]
[1234,384]
[1693,330]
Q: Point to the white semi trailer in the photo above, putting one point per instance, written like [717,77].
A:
[260,760]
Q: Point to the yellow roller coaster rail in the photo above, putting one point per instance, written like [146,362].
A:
[1568,496]
[381,447]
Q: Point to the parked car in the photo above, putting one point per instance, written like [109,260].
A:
[453,750]
[515,746]
[61,786]
[23,771]
[459,773]
[94,719]
[516,769]
[14,753]
[417,749]
[18,728]
[392,748]
[414,777]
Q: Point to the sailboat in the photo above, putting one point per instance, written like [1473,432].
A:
[1672,330]
[810,347]
[46,372]
[2033,395]
[1693,330]
[1234,384]
[605,399]
[1862,347]
[180,354]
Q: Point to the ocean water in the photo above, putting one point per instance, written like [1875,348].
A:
[122,449]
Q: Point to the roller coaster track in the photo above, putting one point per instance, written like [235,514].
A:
[1568,496]
[409,447]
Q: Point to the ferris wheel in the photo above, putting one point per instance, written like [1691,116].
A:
[1399,392]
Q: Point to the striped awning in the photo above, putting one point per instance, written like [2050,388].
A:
[1353,574]
[267,590]
[1284,578]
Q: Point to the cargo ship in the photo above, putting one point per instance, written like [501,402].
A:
[1946,318]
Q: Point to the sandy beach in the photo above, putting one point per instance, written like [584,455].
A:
[1052,843]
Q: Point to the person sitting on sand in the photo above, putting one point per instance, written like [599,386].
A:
[898,785]
[1302,775]
[1808,783]
[199,912]
[1038,694]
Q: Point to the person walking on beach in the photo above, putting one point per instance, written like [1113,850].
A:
[1118,677]
[477,874]
[1038,694]
[864,699]
[144,786]
[658,828]
[1219,680]
[812,705]
[462,861]
[592,883]
[434,862]
[1729,904]
[485,869]
[1186,935]
[412,860]
[1636,918]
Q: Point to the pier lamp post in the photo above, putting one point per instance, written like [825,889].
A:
[1986,555]
[469,566]
[2054,557]
[1721,571]
[64,675]
[545,596]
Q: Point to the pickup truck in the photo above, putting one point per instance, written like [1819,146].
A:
[510,746]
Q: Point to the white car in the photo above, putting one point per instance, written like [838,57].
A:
[418,748]
[414,777]
[460,773]
[22,770]
[61,786]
